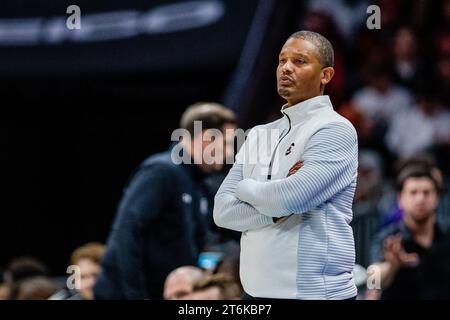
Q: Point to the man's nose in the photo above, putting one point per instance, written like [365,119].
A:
[420,197]
[287,67]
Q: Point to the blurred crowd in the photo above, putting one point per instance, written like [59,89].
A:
[393,84]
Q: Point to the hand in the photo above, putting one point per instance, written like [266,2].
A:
[395,254]
[295,167]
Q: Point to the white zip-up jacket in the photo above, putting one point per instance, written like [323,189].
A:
[309,254]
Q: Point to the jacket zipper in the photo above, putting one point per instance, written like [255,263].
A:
[269,175]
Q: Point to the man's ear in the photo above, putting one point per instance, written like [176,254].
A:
[327,75]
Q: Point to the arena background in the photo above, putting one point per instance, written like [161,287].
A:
[79,113]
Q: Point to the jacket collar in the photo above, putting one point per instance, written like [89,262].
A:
[304,110]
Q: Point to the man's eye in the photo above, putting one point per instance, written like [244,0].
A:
[300,61]
[282,61]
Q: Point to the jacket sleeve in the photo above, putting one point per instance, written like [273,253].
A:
[330,164]
[232,213]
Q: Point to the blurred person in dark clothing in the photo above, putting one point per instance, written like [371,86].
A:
[160,223]
[403,255]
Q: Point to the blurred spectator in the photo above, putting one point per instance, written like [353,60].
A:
[362,124]
[399,252]
[180,282]
[25,278]
[443,66]
[22,268]
[393,214]
[381,99]
[414,130]
[442,52]
[424,160]
[193,283]
[348,15]
[4,291]
[88,258]
[442,32]
[220,286]
[34,288]
[218,239]
[369,185]
[160,224]
[409,69]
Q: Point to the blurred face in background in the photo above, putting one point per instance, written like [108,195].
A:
[300,75]
[179,284]
[211,149]
[418,199]
[405,44]
[444,69]
[89,271]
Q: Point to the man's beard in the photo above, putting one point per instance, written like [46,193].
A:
[285,93]
[422,218]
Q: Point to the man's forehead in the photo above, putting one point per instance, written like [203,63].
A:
[298,46]
[414,182]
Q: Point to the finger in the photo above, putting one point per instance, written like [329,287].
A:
[397,240]
[388,243]
[397,246]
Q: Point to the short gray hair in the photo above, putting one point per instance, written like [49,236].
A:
[324,47]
